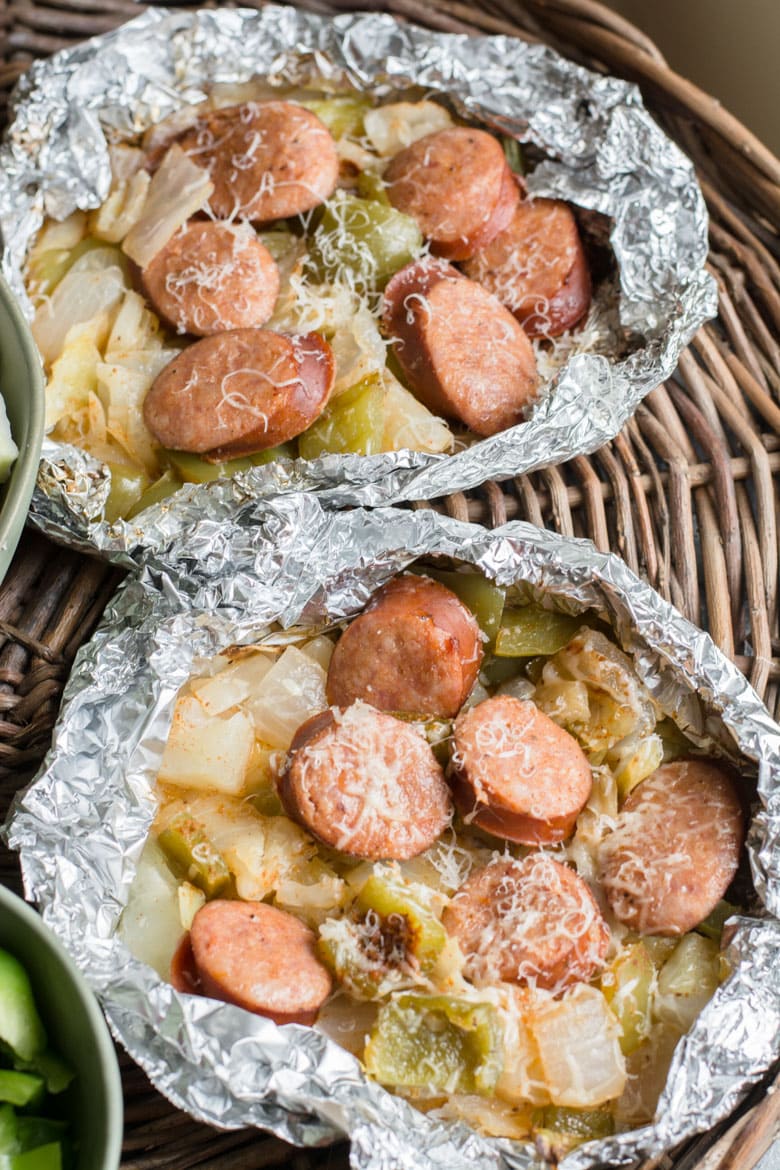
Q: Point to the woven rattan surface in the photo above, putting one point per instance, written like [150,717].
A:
[688,494]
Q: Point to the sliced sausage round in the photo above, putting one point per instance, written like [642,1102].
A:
[259,958]
[415,649]
[211,277]
[463,354]
[366,783]
[457,185]
[532,921]
[239,392]
[537,267]
[675,848]
[267,160]
[517,774]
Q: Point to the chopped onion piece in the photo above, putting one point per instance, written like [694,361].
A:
[259,871]
[63,235]
[190,900]
[121,211]
[124,390]
[170,127]
[74,373]
[358,350]
[347,1021]
[82,294]
[313,892]
[125,160]
[179,189]
[135,328]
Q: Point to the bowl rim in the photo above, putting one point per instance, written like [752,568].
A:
[88,1005]
[21,482]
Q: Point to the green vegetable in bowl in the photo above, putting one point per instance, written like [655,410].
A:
[8,448]
[21,1028]
[29,1074]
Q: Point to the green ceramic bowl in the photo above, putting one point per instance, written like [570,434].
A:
[21,385]
[76,1029]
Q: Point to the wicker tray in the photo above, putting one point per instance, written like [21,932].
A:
[688,494]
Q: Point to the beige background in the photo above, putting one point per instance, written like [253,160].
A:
[731,48]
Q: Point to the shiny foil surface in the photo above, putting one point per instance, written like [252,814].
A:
[81,826]
[601,150]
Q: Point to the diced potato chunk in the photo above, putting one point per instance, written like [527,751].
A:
[579,1048]
[150,924]
[320,649]
[205,752]
[190,900]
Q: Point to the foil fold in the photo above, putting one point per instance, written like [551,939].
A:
[602,151]
[80,827]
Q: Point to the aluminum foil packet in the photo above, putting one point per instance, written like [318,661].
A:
[81,826]
[602,151]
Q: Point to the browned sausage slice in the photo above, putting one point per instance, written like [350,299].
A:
[537,267]
[260,958]
[210,277]
[463,354]
[457,185]
[366,783]
[675,848]
[532,921]
[267,160]
[416,648]
[516,773]
[239,392]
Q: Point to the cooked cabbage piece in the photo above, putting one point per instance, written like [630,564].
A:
[618,704]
